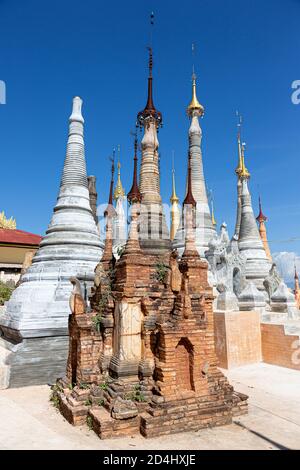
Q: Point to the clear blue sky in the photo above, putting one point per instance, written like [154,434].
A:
[247,56]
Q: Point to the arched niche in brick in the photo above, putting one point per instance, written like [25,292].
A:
[184,353]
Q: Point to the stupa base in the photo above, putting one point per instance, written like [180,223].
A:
[33,361]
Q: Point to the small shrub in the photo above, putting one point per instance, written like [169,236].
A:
[5,293]
[54,400]
[88,402]
[56,388]
[101,402]
[89,422]
[161,271]
[97,319]
[83,386]
[139,396]
[103,386]
[120,250]
[135,395]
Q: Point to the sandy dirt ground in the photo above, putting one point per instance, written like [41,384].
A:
[29,421]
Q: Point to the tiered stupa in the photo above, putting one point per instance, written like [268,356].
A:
[175,213]
[154,236]
[249,241]
[120,223]
[93,196]
[205,230]
[34,325]
[261,219]
[238,171]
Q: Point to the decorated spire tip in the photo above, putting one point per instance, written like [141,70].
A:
[150,61]
[110,211]
[261,217]
[134,196]
[194,108]
[244,173]
[174,198]
[149,111]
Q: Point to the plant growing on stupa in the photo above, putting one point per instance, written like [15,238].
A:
[97,319]
[89,422]
[161,271]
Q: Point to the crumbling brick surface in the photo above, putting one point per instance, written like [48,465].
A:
[144,359]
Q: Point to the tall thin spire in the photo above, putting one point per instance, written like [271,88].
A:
[194,108]
[244,174]
[239,126]
[174,197]
[134,194]
[250,243]
[150,110]
[205,230]
[189,206]
[175,213]
[154,236]
[109,213]
[110,209]
[119,190]
[261,219]
[213,219]
[189,198]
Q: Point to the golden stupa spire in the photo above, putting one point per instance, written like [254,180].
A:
[244,171]
[239,125]
[194,107]
[213,219]
[174,197]
[119,190]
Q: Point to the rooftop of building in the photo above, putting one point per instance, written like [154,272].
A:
[19,237]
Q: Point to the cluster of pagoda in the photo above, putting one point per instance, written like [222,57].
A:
[213,270]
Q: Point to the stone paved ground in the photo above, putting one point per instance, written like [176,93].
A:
[29,421]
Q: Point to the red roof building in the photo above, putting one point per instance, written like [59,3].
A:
[15,246]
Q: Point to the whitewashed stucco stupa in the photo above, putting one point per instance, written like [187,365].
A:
[34,323]
[205,230]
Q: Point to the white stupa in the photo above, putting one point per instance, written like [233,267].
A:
[204,230]
[34,323]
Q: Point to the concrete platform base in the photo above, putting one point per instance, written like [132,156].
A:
[237,338]
[32,361]
[281,343]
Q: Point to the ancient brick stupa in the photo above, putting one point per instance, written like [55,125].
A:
[34,323]
[143,360]
[153,232]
